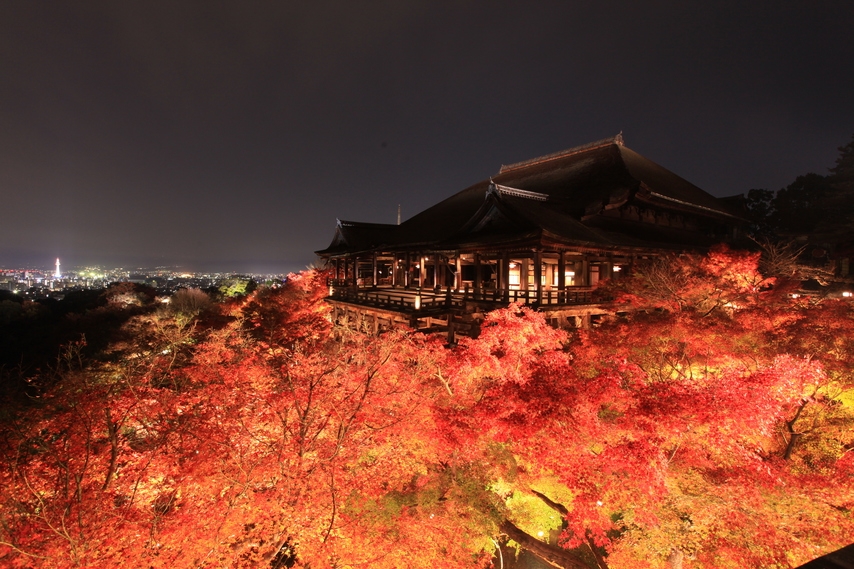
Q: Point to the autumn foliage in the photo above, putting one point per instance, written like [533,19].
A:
[713,427]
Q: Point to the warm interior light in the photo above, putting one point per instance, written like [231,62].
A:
[847,294]
[617,268]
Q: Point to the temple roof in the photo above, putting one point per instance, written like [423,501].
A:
[559,196]
[353,236]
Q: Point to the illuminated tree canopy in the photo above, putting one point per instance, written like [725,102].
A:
[711,428]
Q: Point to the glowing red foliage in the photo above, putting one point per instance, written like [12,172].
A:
[718,432]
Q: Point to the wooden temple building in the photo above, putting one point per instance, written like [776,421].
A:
[544,232]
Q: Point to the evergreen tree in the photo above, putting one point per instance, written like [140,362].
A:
[842,175]
[802,205]
[811,204]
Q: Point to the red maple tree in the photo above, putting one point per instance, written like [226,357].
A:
[711,428]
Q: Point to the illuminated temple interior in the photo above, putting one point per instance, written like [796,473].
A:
[544,232]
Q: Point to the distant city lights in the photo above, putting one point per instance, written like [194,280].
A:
[43,282]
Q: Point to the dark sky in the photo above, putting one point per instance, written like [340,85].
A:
[230,136]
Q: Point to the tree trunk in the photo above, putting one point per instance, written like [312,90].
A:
[561,509]
[790,430]
[113,436]
[675,559]
[554,556]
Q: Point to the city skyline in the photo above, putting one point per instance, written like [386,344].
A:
[40,283]
[46,267]
[230,137]
[42,273]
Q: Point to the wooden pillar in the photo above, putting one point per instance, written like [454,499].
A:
[583,271]
[355,271]
[458,276]
[438,273]
[375,269]
[406,276]
[523,274]
[504,275]
[477,279]
[394,276]
[422,275]
[561,276]
[538,275]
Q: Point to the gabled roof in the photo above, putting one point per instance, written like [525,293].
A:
[357,236]
[555,195]
[602,171]
[508,218]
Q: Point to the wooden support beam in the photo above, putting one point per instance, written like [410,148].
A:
[458,276]
[538,275]
[504,275]
[395,277]
[478,287]
[523,274]
[583,271]
[437,271]
[406,273]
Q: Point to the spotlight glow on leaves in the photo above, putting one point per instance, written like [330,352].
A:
[712,429]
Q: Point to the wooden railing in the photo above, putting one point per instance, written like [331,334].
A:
[336,283]
[574,295]
[429,300]
[401,300]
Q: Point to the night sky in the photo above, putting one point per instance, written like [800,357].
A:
[229,136]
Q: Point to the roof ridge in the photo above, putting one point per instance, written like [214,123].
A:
[618,139]
[516,192]
[346,223]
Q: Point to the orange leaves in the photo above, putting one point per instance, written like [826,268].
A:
[659,425]
[670,433]
[722,281]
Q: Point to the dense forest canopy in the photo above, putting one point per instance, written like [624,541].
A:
[813,203]
[712,427]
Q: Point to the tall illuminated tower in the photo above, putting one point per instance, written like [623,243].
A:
[57,274]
